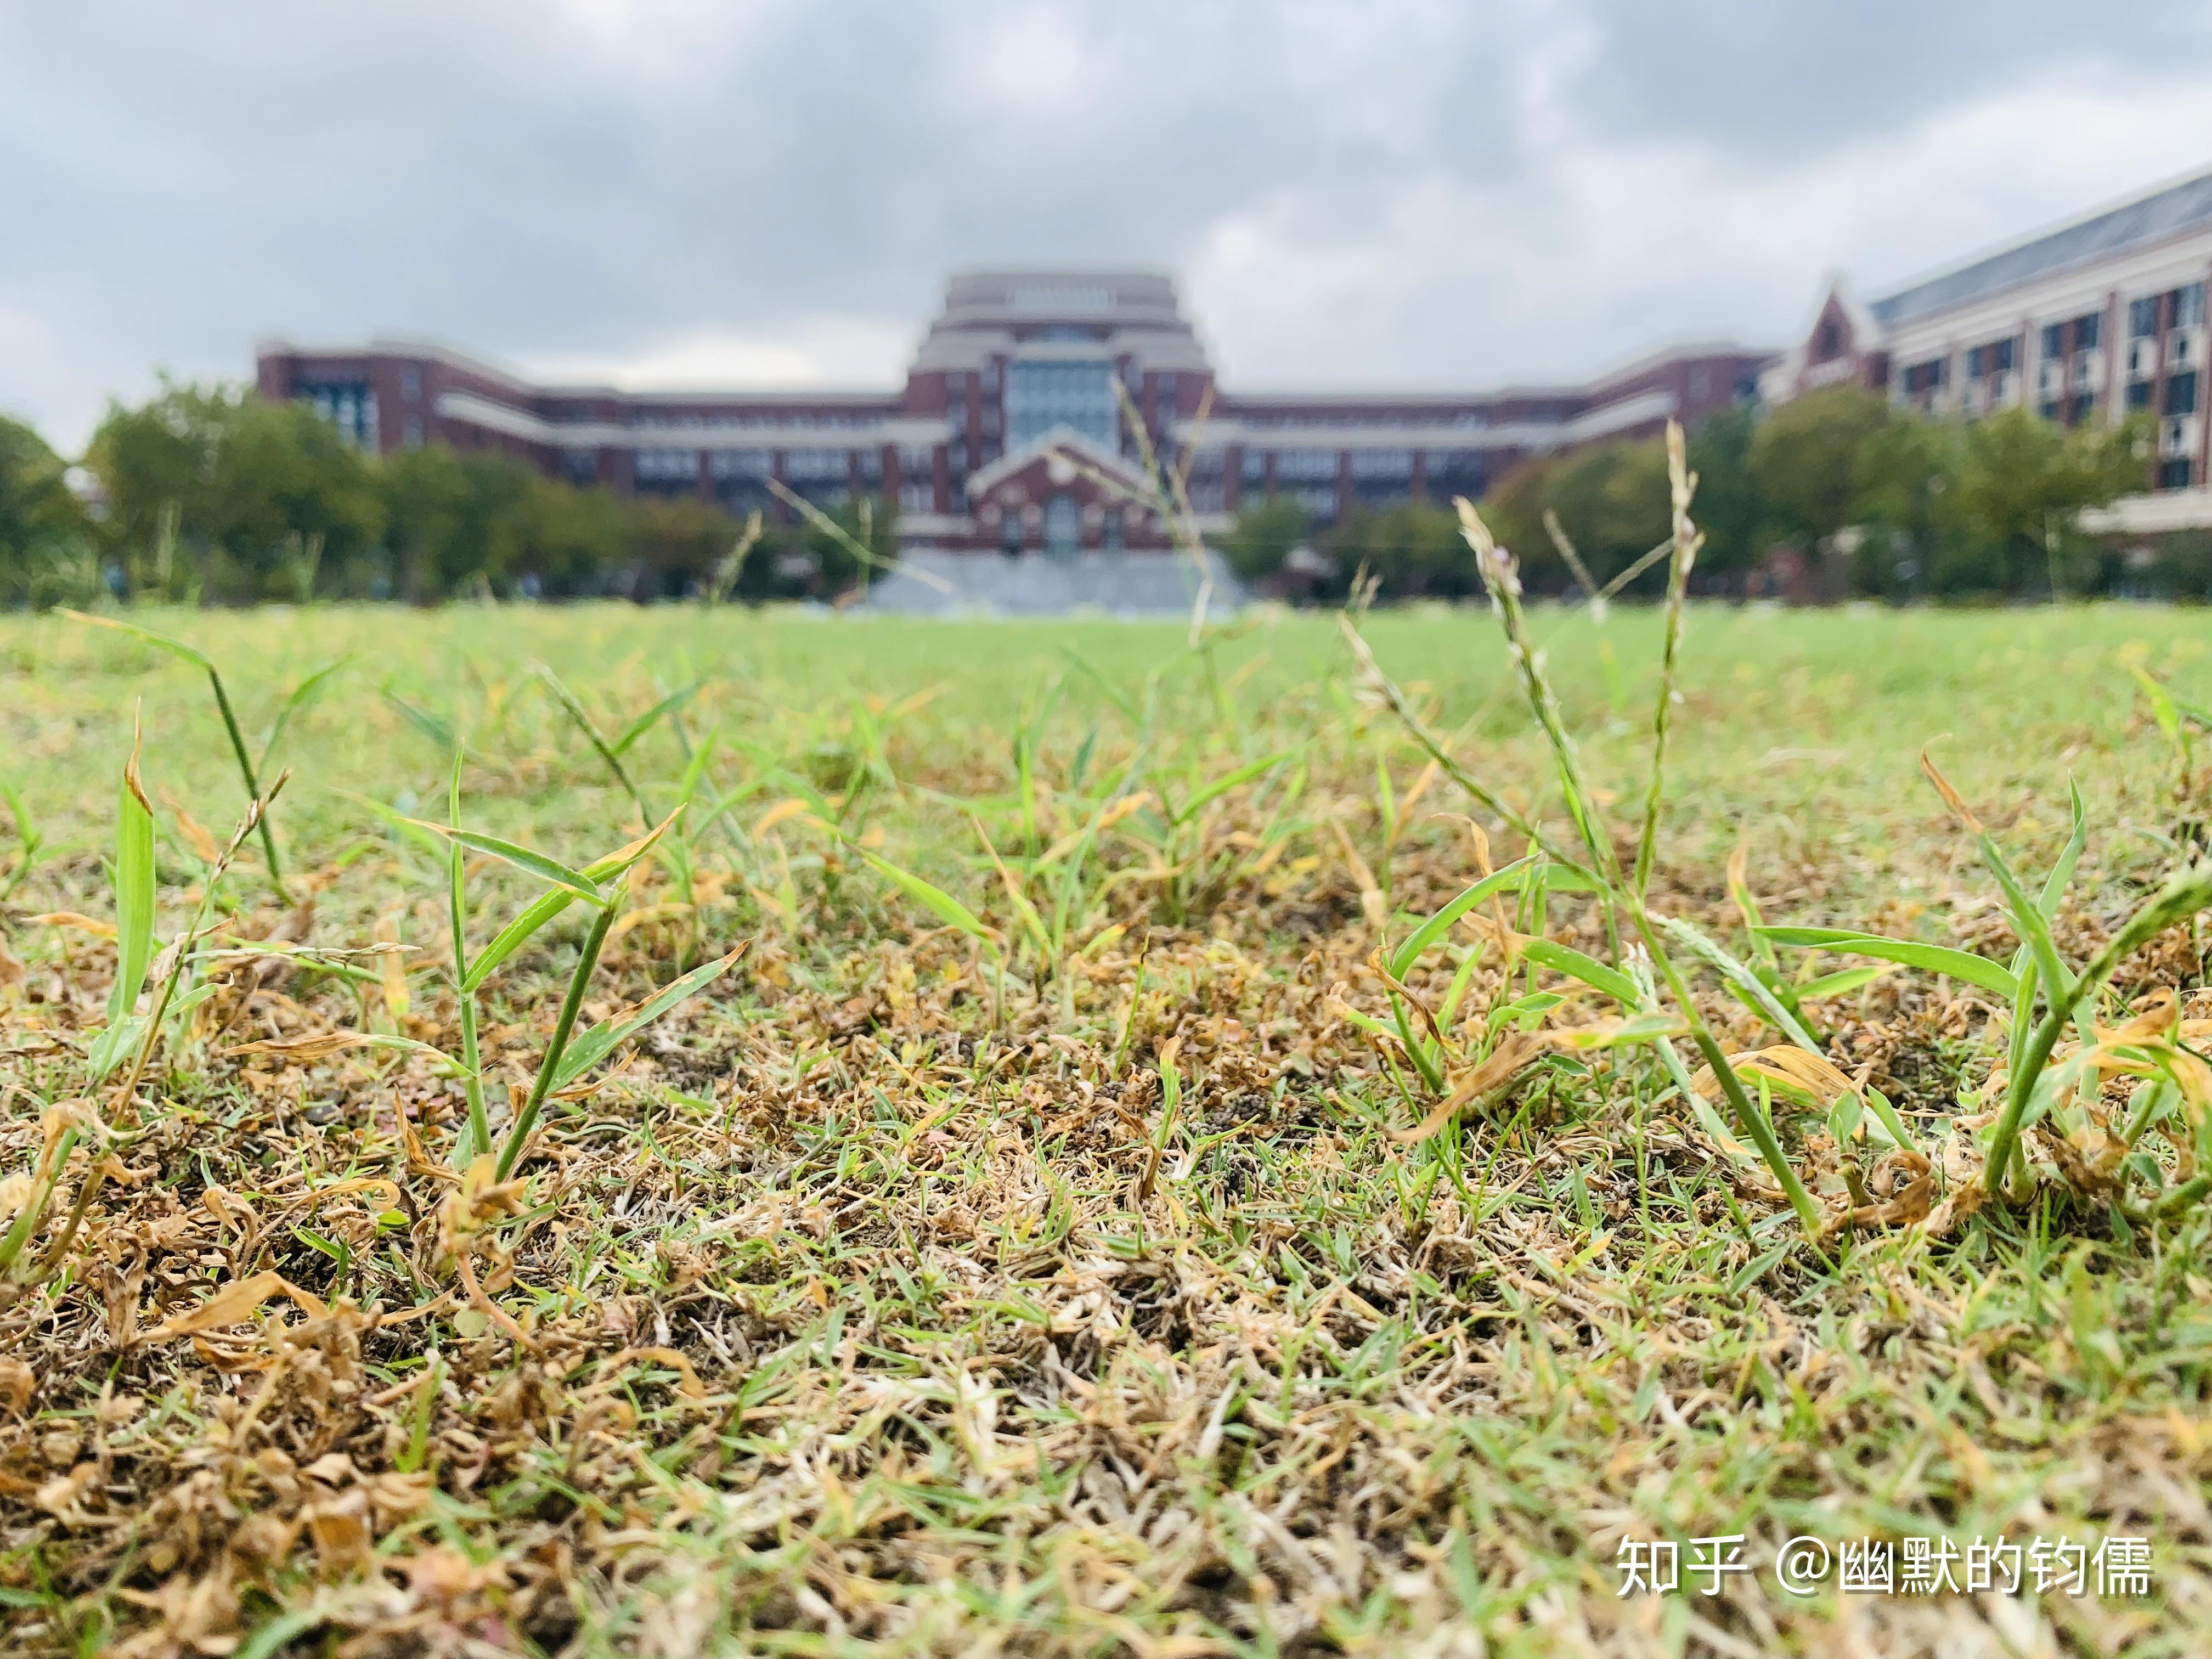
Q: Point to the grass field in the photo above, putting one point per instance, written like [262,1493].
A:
[1090,1218]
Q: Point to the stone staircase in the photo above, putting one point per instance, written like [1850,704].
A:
[935,583]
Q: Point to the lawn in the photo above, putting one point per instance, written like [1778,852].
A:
[1095,1214]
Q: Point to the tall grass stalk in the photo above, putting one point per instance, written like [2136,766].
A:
[1504,582]
[1687,539]
[564,1027]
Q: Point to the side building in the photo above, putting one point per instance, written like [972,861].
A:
[1021,425]
[2095,319]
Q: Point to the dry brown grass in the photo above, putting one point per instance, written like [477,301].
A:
[873,1301]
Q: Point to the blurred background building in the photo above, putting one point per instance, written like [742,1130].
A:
[2094,320]
[1023,424]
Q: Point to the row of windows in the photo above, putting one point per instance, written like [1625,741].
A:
[2180,307]
[797,464]
[1994,358]
[751,422]
[1041,396]
[1473,420]
[2074,411]
[1309,465]
[2180,397]
[349,405]
[2080,334]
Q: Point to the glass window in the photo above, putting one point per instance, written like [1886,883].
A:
[2189,306]
[2181,393]
[2142,317]
[665,466]
[1063,525]
[1079,395]
[2138,394]
[2054,340]
[2087,329]
[1305,465]
[739,463]
[1382,463]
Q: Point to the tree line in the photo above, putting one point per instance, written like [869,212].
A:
[213,495]
[1836,494]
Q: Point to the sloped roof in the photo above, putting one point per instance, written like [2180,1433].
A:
[2168,211]
[1066,438]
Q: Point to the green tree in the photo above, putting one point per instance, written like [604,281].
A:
[1611,500]
[1514,506]
[290,501]
[46,553]
[1262,535]
[1729,508]
[1907,514]
[156,466]
[1811,460]
[572,541]
[257,495]
[2023,485]
[1415,547]
[36,507]
[677,543]
[453,519]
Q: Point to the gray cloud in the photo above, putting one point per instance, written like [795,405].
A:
[1418,191]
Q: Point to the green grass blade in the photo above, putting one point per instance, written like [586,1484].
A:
[422,720]
[302,697]
[1740,974]
[159,641]
[1565,959]
[2061,873]
[1438,924]
[933,899]
[512,938]
[1839,983]
[541,910]
[1930,958]
[133,881]
[522,857]
[584,723]
[652,716]
[603,1039]
[2186,893]
[435,842]
[1228,781]
[134,892]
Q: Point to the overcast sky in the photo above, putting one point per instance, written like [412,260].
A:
[1365,193]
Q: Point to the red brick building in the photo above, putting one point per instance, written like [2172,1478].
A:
[2095,319]
[1011,432]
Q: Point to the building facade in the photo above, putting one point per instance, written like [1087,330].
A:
[1022,426]
[2096,319]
